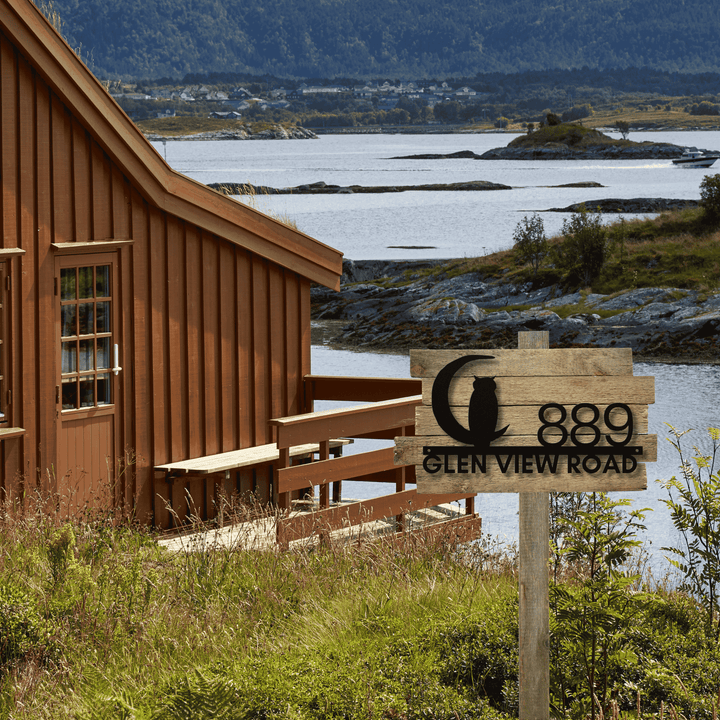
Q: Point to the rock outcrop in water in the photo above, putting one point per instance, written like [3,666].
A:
[321,188]
[629,205]
[560,151]
[277,132]
[394,305]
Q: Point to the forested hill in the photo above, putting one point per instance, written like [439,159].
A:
[395,38]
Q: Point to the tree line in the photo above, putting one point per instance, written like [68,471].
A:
[410,38]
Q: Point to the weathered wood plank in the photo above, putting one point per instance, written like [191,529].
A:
[195,390]
[227,358]
[345,422]
[409,450]
[564,390]
[176,322]
[210,343]
[245,399]
[361,389]
[524,420]
[247,457]
[343,468]
[305,525]
[138,353]
[534,595]
[527,363]
[261,351]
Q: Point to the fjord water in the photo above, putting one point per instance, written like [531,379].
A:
[427,224]
[686,397]
[457,224]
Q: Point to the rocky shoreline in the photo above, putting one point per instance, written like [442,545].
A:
[396,305]
[563,151]
[276,132]
[321,188]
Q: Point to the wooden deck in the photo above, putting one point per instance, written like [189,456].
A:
[262,534]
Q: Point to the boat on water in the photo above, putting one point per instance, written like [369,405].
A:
[692,157]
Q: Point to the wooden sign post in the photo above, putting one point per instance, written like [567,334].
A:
[531,421]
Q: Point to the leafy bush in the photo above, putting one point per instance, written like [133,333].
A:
[710,197]
[529,242]
[623,127]
[694,503]
[61,551]
[704,108]
[592,621]
[553,119]
[577,112]
[22,629]
[581,254]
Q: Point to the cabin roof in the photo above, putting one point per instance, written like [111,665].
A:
[163,187]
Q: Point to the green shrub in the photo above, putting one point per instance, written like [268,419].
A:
[710,197]
[61,552]
[694,503]
[553,119]
[22,630]
[581,254]
[530,244]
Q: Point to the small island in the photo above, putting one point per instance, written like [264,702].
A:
[572,141]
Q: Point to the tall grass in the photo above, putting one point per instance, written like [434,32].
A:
[109,622]
[130,629]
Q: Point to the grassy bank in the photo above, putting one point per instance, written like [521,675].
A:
[98,621]
[678,249]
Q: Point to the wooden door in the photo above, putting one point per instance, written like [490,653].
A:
[87,395]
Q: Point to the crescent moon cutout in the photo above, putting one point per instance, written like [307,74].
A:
[441,401]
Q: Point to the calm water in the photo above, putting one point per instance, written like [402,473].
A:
[687,396]
[445,224]
[457,224]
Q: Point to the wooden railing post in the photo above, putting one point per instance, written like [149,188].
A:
[534,618]
[324,489]
[400,487]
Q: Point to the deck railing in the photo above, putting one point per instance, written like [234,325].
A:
[389,414]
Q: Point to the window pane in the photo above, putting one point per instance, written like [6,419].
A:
[103,353]
[103,389]
[85,282]
[87,326]
[67,284]
[102,310]
[69,394]
[87,355]
[69,357]
[102,281]
[87,391]
[69,320]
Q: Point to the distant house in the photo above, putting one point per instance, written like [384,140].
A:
[222,115]
[216,96]
[166,113]
[320,90]
[240,94]
[464,93]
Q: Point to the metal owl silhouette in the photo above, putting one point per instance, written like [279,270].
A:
[482,408]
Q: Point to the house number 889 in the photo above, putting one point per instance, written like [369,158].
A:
[582,429]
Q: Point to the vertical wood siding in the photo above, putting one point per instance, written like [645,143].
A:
[214,340]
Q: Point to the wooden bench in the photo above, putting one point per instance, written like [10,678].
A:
[222,464]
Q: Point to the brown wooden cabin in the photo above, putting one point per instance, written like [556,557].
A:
[148,321]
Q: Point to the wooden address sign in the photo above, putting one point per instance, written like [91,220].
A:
[566,420]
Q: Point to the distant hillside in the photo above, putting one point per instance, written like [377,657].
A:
[141,39]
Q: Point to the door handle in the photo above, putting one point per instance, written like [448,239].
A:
[116,359]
